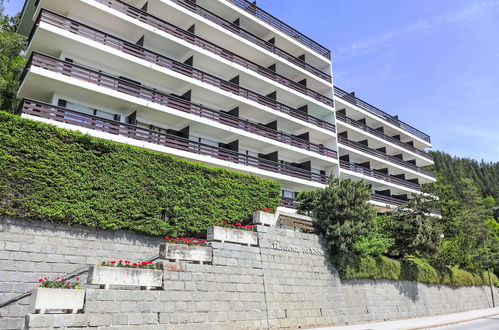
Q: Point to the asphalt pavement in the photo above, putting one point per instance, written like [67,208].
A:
[486,323]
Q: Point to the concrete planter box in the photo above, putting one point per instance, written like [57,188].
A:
[264,218]
[62,300]
[143,278]
[222,234]
[182,252]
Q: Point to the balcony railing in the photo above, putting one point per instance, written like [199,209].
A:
[192,6]
[142,53]
[380,113]
[79,119]
[382,155]
[378,175]
[195,40]
[127,87]
[387,199]
[289,203]
[381,135]
[264,16]
[177,103]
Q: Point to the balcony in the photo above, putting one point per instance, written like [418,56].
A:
[281,26]
[233,28]
[163,61]
[380,113]
[289,203]
[78,119]
[108,81]
[379,134]
[382,155]
[378,175]
[387,199]
[191,38]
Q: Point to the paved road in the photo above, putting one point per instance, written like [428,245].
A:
[487,323]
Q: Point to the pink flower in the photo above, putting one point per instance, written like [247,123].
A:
[57,278]
[62,279]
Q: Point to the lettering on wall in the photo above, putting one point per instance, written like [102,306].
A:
[276,245]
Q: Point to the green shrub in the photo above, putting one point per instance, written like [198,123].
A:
[67,177]
[408,269]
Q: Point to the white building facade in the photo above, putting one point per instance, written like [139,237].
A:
[215,81]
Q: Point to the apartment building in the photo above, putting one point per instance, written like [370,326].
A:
[215,81]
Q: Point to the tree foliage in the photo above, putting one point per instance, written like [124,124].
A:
[67,177]
[12,61]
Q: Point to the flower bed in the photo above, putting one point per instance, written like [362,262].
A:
[264,217]
[186,241]
[232,235]
[145,275]
[236,225]
[186,252]
[57,295]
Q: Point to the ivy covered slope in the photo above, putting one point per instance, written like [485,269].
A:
[53,174]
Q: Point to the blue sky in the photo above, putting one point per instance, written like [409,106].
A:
[435,63]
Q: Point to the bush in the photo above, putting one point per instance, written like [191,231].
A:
[67,177]
[409,269]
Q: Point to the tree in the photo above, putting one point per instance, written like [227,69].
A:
[343,215]
[12,61]
[415,231]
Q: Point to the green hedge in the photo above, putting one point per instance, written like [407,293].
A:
[53,174]
[411,269]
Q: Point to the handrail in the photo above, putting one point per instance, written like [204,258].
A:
[387,199]
[47,111]
[164,26]
[77,272]
[380,154]
[152,95]
[380,113]
[153,57]
[275,22]
[378,175]
[192,6]
[341,117]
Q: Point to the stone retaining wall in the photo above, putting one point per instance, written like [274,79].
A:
[286,281]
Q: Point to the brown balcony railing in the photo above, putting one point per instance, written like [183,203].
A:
[380,113]
[108,81]
[344,141]
[265,16]
[387,199]
[174,102]
[79,119]
[289,203]
[192,6]
[142,53]
[378,175]
[195,40]
[365,128]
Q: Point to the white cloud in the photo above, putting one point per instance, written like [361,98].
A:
[471,12]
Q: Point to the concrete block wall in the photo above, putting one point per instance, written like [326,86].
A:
[287,281]
[32,249]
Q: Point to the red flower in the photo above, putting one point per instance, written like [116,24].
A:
[146,262]
[238,224]
[127,262]
[113,262]
[40,280]
[121,261]
[224,222]
[68,284]
[167,238]
[77,278]
[62,279]
[57,278]
[249,227]
[45,278]
[135,264]
[203,240]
